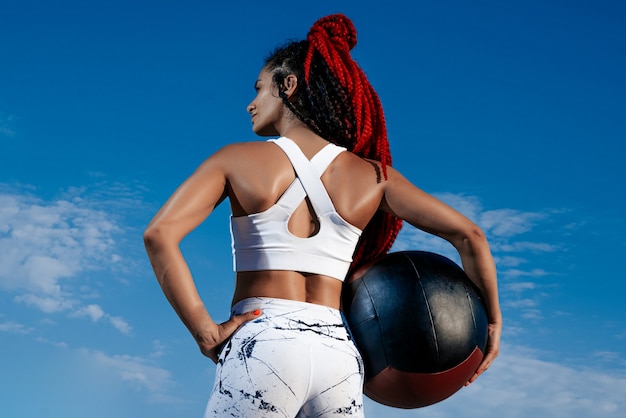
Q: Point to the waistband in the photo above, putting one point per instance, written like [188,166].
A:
[285,305]
[308,320]
[304,317]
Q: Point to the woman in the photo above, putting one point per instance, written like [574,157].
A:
[307,208]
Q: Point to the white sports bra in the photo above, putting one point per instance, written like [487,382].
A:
[262,241]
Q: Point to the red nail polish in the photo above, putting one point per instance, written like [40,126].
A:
[257,312]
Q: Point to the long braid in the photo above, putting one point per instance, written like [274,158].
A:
[339,104]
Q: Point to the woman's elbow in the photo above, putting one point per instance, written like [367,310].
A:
[153,237]
[476,233]
[470,238]
[160,236]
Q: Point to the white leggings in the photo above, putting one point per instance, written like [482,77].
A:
[296,360]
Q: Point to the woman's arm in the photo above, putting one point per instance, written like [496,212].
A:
[189,206]
[429,214]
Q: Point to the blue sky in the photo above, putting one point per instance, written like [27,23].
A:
[513,112]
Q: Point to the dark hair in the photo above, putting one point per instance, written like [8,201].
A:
[335,99]
[322,103]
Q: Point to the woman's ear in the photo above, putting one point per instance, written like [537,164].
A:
[290,85]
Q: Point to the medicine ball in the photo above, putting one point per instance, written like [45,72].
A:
[419,324]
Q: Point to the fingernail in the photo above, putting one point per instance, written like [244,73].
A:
[257,312]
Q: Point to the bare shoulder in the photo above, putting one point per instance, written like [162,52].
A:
[359,168]
[244,149]
[238,154]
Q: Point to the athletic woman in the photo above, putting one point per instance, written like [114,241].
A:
[309,206]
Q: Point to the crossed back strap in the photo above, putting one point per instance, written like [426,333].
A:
[308,182]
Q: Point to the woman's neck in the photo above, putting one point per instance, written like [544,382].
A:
[304,137]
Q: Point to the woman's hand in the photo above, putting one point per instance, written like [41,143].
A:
[494,331]
[211,343]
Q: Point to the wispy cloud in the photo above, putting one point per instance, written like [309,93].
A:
[508,222]
[92,311]
[43,242]
[14,327]
[523,246]
[516,273]
[139,373]
[610,357]
[120,324]
[48,304]
[519,287]
[5,125]
[522,303]
[95,313]
[45,245]
[58,344]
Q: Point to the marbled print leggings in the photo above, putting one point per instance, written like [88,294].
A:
[296,360]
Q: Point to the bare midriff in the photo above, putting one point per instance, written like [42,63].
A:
[291,285]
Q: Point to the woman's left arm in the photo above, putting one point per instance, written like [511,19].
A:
[429,214]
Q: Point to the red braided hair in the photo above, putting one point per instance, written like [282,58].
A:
[332,37]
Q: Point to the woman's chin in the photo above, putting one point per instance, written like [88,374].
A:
[265,131]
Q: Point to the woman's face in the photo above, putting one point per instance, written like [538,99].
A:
[266,109]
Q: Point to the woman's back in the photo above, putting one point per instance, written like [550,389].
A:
[258,173]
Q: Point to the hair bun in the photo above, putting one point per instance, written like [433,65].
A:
[337,28]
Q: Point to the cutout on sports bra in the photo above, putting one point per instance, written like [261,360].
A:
[303,222]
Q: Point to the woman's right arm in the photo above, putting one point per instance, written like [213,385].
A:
[189,206]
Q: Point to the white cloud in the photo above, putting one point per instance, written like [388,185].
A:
[609,357]
[44,242]
[45,303]
[92,311]
[58,344]
[519,287]
[48,248]
[158,349]
[141,374]
[95,313]
[508,222]
[521,303]
[5,125]
[514,273]
[508,261]
[533,314]
[524,246]
[120,324]
[14,328]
